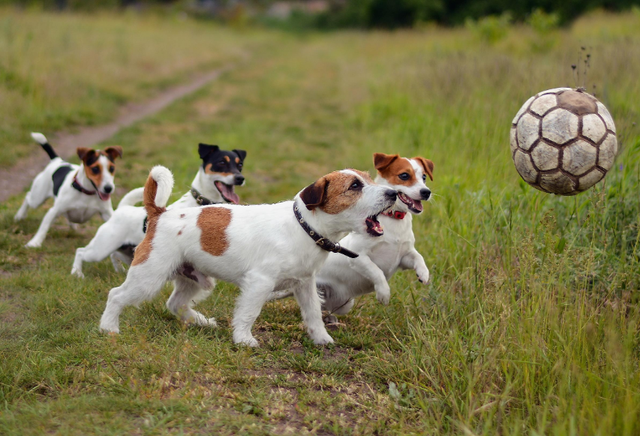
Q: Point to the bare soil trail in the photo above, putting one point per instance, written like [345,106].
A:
[13,180]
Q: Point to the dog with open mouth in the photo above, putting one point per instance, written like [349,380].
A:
[219,173]
[341,280]
[260,248]
[79,191]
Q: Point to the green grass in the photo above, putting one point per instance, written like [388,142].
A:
[529,326]
[62,71]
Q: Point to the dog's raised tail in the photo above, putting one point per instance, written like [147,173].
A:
[132,197]
[42,140]
[157,190]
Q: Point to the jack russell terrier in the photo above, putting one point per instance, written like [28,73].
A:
[79,192]
[341,280]
[260,248]
[219,173]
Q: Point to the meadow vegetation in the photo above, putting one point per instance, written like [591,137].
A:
[530,324]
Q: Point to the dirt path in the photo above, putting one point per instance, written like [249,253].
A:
[15,179]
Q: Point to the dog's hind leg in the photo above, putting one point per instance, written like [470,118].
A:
[279,295]
[22,212]
[143,283]
[39,192]
[48,219]
[104,243]
[188,292]
[118,259]
[309,301]
[73,226]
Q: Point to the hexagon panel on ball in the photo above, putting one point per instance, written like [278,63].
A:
[563,141]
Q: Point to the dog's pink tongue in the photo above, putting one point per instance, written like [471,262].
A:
[103,197]
[227,193]
[417,204]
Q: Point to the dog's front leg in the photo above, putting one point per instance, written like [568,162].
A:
[310,308]
[48,219]
[253,294]
[414,260]
[365,266]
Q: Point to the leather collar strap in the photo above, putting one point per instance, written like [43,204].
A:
[321,241]
[202,201]
[395,214]
[79,187]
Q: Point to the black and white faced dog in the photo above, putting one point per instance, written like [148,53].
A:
[219,173]
[80,191]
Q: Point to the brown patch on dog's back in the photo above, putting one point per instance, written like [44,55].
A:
[213,222]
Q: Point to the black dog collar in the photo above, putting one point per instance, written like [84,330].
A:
[79,187]
[202,201]
[321,241]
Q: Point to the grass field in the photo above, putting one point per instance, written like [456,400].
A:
[529,326]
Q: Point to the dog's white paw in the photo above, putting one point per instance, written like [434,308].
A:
[109,329]
[33,244]
[249,342]
[77,273]
[201,320]
[323,339]
[383,293]
[423,276]
[211,322]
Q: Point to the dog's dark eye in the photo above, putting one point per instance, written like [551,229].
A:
[112,169]
[424,177]
[95,170]
[356,185]
[240,166]
[404,176]
[221,163]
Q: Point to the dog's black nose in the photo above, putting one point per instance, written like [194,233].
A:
[391,194]
[238,179]
[425,194]
[108,189]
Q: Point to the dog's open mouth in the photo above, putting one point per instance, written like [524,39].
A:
[374,228]
[103,195]
[414,206]
[227,192]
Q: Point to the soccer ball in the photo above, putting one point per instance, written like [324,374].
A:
[563,141]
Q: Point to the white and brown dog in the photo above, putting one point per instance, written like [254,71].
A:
[260,248]
[213,184]
[79,191]
[341,280]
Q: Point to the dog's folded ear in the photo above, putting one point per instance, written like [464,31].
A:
[205,149]
[426,164]
[314,195]
[241,153]
[85,154]
[381,160]
[113,152]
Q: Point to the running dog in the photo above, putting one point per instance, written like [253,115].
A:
[260,248]
[219,173]
[341,280]
[79,191]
